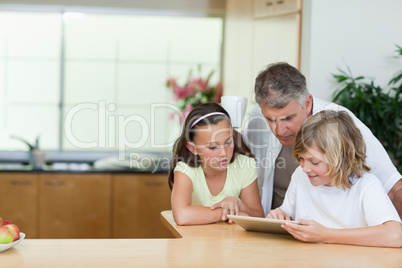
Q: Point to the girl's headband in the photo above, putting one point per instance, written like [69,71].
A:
[205,116]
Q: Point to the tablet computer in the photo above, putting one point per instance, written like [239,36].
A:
[260,224]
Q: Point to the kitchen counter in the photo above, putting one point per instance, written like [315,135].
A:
[76,168]
[89,162]
[212,245]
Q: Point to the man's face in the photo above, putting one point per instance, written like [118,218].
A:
[285,122]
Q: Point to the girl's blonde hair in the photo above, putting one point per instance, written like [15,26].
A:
[194,120]
[338,138]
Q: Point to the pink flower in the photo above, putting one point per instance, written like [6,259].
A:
[194,92]
[171,82]
[181,93]
[198,85]
[203,85]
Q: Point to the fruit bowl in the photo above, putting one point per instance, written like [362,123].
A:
[4,247]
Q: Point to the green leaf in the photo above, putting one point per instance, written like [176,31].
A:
[395,80]
[210,74]
[378,109]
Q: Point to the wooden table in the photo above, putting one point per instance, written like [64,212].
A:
[213,245]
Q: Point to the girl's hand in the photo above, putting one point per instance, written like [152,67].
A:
[278,214]
[230,206]
[308,231]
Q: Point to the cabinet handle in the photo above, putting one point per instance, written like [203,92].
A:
[55,183]
[154,183]
[268,4]
[279,2]
[21,183]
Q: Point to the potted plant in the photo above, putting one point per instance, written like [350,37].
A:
[379,110]
[195,91]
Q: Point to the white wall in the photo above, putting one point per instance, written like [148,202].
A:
[360,34]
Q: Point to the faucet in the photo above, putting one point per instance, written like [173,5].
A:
[31,147]
[37,158]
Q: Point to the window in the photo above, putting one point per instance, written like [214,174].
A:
[85,81]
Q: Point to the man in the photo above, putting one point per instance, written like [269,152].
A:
[284,104]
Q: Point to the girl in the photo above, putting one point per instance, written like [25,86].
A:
[332,194]
[207,177]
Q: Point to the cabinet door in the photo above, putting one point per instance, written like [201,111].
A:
[74,205]
[264,8]
[287,6]
[276,39]
[269,8]
[18,201]
[138,203]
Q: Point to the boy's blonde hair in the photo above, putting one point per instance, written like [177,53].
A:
[339,140]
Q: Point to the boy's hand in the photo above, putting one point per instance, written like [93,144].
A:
[278,214]
[230,206]
[307,231]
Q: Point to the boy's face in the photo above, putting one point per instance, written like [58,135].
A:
[315,165]
[285,122]
[214,145]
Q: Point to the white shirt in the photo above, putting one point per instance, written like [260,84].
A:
[266,147]
[364,204]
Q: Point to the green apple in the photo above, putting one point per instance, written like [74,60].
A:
[6,235]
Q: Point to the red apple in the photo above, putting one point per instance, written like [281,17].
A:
[14,230]
[6,222]
[6,235]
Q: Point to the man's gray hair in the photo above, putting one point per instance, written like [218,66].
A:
[279,84]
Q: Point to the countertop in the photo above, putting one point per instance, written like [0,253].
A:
[77,168]
[88,162]
[212,245]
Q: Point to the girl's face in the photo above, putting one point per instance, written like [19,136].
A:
[214,145]
[315,165]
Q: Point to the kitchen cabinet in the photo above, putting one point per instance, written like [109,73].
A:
[266,8]
[18,201]
[74,205]
[276,39]
[258,33]
[137,204]
[85,205]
